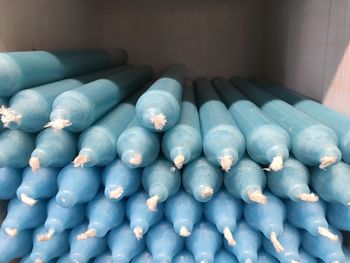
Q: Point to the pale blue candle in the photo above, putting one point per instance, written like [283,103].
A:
[264,257]
[26,259]
[12,247]
[143,257]
[63,259]
[338,216]
[184,257]
[10,179]
[224,257]
[104,258]
[305,257]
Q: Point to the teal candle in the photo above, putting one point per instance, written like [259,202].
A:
[183,142]
[223,142]
[10,179]
[143,257]
[104,258]
[202,179]
[264,257]
[184,257]
[161,181]
[266,142]
[159,108]
[140,217]
[12,247]
[313,143]
[120,181]
[183,211]
[305,257]
[224,257]
[224,211]
[338,216]
[246,180]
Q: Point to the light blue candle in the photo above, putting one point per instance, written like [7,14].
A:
[264,257]
[224,211]
[103,214]
[223,142]
[183,211]
[123,244]
[104,258]
[266,142]
[338,216]
[224,257]
[160,180]
[137,146]
[332,184]
[82,250]
[292,182]
[77,109]
[267,218]
[26,259]
[202,179]
[120,181]
[3,105]
[246,180]
[183,142]
[77,185]
[248,243]
[12,247]
[17,67]
[143,257]
[16,147]
[21,216]
[163,242]
[204,242]
[159,108]
[63,259]
[140,217]
[29,109]
[184,257]
[36,186]
[313,143]
[305,257]
[10,179]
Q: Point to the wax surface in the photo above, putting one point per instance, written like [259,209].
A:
[305,257]
[104,258]
[143,257]
[14,247]
[184,257]
[264,257]
[3,104]
[10,179]
[225,257]
[338,216]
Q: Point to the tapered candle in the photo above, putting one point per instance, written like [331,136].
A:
[338,215]
[3,105]
[202,179]
[77,185]
[77,109]
[223,142]
[103,214]
[246,180]
[104,258]
[10,179]
[304,257]
[313,143]
[12,247]
[59,219]
[183,143]
[266,142]
[224,211]
[26,259]
[140,217]
[184,257]
[82,250]
[267,218]
[163,242]
[16,147]
[183,211]
[17,67]
[224,257]
[292,182]
[159,108]
[21,216]
[143,257]
[248,243]
[123,243]
[120,181]
[160,180]
[204,242]
[36,186]
[264,257]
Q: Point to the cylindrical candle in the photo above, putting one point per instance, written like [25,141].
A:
[224,257]
[338,216]
[12,247]
[184,257]
[104,258]
[143,257]
[10,179]
[264,257]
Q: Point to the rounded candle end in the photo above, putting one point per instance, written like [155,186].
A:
[116,193]
[226,163]
[136,159]
[11,231]
[257,197]
[308,197]
[80,160]
[327,233]
[34,163]
[9,116]
[158,121]
[58,124]
[90,233]
[276,164]
[276,244]
[179,161]
[184,232]
[152,203]
[27,200]
[229,237]
[138,232]
[47,236]
[207,191]
[327,161]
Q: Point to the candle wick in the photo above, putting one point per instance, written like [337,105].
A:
[47,236]
[87,234]
[308,197]
[39,260]
[276,164]
[58,124]
[277,245]
[152,203]
[159,121]
[27,200]
[9,116]
[226,163]
[34,163]
[179,161]
[257,197]
[207,191]
[136,159]
[327,233]
[11,231]
[80,160]
[229,237]
[116,193]
[327,161]
[184,232]
[138,232]
[294,261]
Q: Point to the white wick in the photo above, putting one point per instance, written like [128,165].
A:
[257,197]
[11,231]
[80,160]
[34,163]
[58,124]
[277,245]
[39,260]
[27,200]
[276,164]
[207,191]
[159,121]
[9,116]
[152,203]
[136,159]
[327,233]
[229,237]
[87,234]
[47,236]
[179,161]
[308,197]
[226,163]
[116,193]
[184,232]
[294,261]
[138,232]
[327,161]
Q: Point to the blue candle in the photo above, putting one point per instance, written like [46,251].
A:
[104,258]
[184,257]
[161,180]
[246,180]
[290,240]
[85,249]
[37,186]
[10,179]
[59,219]
[183,211]
[313,143]
[291,182]
[159,108]
[12,247]
[16,147]
[26,259]
[103,214]
[346,254]
[266,142]
[248,243]
[204,242]
[17,67]
[163,242]
[183,142]
[305,257]
[77,109]
[202,179]
[224,257]
[21,216]
[267,218]
[140,217]
[224,211]
[123,244]
[143,257]
[63,259]
[120,181]
[223,142]
[77,185]
[264,257]
[338,216]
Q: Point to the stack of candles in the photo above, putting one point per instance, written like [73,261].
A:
[102,163]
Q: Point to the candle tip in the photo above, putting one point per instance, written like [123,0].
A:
[136,159]
[229,237]
[184,232]
[226,163]
[179,161]
[276,164]
[207,191]
[116,193]
[152,203]
[327,161]
[257,197]
[80,160]
[294,261]
[159,121]
[277,245]
[308,197]
[9,116]
[327,233]
[39,260]
[87,234]
[58,124]
[248,260]
[27,200]
[34,163]
[138,232]
[47,236]
[11,231]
